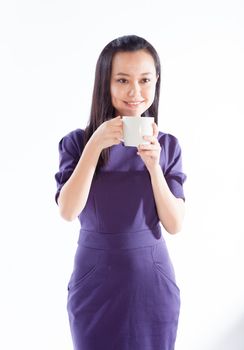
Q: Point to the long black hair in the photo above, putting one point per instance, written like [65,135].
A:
[101,107]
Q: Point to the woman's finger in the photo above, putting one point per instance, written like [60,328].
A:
[148,153]
[148,147]
[155,130]
[151,139]
[117,121]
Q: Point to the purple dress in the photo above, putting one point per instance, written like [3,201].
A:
[122,293]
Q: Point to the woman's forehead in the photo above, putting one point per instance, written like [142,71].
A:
[139,62]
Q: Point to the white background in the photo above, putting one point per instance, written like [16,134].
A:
[48,51]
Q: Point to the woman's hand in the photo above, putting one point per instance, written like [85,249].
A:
[109,133]
[150,154]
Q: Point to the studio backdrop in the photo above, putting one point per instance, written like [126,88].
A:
[48,52]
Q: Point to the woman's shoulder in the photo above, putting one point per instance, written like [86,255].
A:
[76,134]
[167,139]
[73,141]
[170,146]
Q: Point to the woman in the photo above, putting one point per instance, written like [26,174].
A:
[122,293]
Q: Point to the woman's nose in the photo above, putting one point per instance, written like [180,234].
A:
[134,90]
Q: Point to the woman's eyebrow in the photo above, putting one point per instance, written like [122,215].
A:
[124,74]
[127,75]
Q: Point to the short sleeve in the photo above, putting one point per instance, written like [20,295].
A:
[171,162]
[70,148]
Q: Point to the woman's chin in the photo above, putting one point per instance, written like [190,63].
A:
[132,113]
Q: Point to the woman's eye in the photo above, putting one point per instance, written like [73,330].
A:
[145,80]
[122,81]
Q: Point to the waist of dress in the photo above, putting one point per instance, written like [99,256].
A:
[123,240]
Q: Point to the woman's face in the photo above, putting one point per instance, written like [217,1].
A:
[133,82]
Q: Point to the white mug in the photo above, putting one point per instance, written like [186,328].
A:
[134,128]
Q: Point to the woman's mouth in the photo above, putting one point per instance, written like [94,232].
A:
[133,103]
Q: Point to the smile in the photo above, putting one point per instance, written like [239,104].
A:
[134,103]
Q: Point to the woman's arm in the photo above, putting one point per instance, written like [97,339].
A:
[74,193]
[169,208]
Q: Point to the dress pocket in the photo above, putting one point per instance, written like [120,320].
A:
[163,265]
[86,262]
